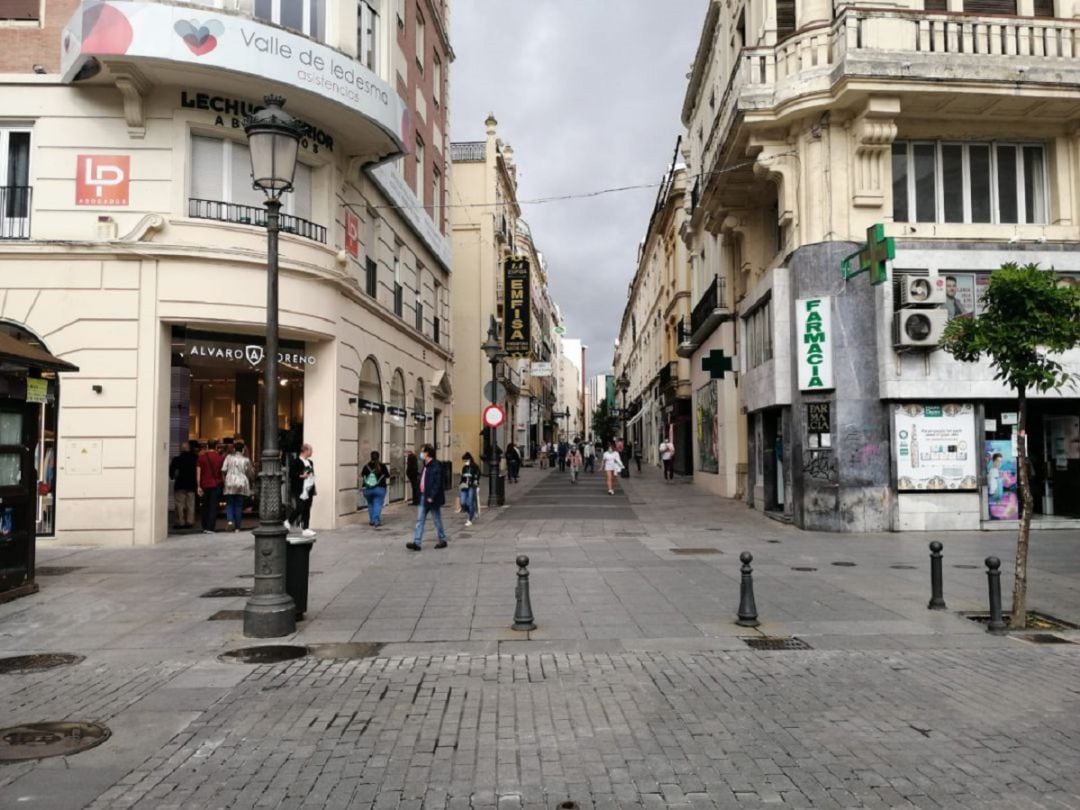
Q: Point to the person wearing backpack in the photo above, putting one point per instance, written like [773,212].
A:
[374,478]
[468,490]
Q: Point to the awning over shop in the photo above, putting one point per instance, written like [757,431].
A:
[19,353]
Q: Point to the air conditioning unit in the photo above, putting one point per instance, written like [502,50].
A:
[919,327]
[922,291]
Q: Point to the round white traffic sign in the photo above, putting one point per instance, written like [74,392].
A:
[493,416]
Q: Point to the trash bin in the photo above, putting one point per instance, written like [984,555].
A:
[297,567]
[500,490]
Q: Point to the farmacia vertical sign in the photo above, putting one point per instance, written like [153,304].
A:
[813,319]
[516,308]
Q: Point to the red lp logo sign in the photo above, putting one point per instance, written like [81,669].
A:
[102,179]
[352,234]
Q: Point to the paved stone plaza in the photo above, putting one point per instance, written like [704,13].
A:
[636,690]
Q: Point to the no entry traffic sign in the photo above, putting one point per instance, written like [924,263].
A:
[493,416]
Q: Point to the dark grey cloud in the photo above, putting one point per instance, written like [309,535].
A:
[588,92]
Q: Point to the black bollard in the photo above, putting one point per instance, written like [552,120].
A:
[523,615]
[937,600]
[997,625]
[747,608]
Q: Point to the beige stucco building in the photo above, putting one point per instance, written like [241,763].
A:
[131,241]
[655,316]
[487,229]
[953,127]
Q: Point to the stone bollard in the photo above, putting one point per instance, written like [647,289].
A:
[937,600]
[997,625]
[747,607]
[523,615]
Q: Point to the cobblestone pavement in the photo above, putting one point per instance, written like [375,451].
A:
[636,690]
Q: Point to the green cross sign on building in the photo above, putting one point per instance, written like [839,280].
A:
[716,363]
[873,257]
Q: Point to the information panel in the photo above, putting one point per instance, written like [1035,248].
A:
[935,446]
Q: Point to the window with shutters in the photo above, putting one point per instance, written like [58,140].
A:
[368,34]
[20,9]
[221,188]
[1044,8]
[785,19]
[14,183]
[936,5]
[991,7]
[306,16]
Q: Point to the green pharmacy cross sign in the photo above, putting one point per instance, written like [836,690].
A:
[716,364]
[873,256]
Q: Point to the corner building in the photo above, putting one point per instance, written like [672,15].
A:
[818,131]
[133,244]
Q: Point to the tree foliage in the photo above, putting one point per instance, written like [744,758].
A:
[605,424]
[1028,321]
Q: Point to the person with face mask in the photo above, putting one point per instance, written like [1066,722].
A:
[432,498]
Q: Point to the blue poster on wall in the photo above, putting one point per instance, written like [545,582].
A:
[1000,462]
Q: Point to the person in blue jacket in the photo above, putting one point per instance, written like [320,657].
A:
[432,498]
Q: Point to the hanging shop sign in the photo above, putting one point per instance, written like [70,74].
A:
[232,112]
[516,308]
[102,179]
[200,38]
[250,353]
[420,418]
[37,390]
[540,369]
[352,234]
[813,318]
[935,446]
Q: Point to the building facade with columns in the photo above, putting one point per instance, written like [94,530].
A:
[939,141]
[132,243]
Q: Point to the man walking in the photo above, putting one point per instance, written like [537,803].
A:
[208,484]
[564,448]
[412,472]
[667,456]
[432,498]
[589,453]
[183,470]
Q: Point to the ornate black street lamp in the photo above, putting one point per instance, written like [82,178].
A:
[623,384]
[494,351]
[273,138]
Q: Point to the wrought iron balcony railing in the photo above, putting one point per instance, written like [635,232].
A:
[711,300]
[15,212]
[253,215]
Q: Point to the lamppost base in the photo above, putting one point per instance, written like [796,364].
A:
[270,616]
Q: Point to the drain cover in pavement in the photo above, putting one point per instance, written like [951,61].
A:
[269,654]
[39,740]
[36,663]
[775,643]
[772,541]
[803,568]
[965,566]
[905,567]
[696,551]
[56,570]
[1043,638]
[227,616]
[844,564]
[350,650]
[222,593]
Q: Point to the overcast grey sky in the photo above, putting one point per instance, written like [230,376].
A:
[589,93]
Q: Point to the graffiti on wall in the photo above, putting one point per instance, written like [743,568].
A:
[708,434]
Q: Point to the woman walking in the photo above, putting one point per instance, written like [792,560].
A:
[469,489]
[575,462]
[375,476]
[238,472]
[302,482]
[612,467]
[543,456]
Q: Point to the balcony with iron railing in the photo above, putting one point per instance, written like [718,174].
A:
[668,375]
[468,152]
[709,312]
[886,44]
[253,215]
[15,212]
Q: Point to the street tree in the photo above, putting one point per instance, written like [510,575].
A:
[605,424]
[1028,319]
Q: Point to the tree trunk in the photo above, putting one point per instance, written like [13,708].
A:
[1027,505]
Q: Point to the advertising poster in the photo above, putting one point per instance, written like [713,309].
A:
[708,437]
[517,333]
[935,447]
[999,461]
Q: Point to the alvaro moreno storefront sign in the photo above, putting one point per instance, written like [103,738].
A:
[244,352]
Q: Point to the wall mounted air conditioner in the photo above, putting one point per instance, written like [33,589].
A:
[919,327]
[922,291]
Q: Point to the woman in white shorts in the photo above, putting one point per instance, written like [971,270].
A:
[612,467]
